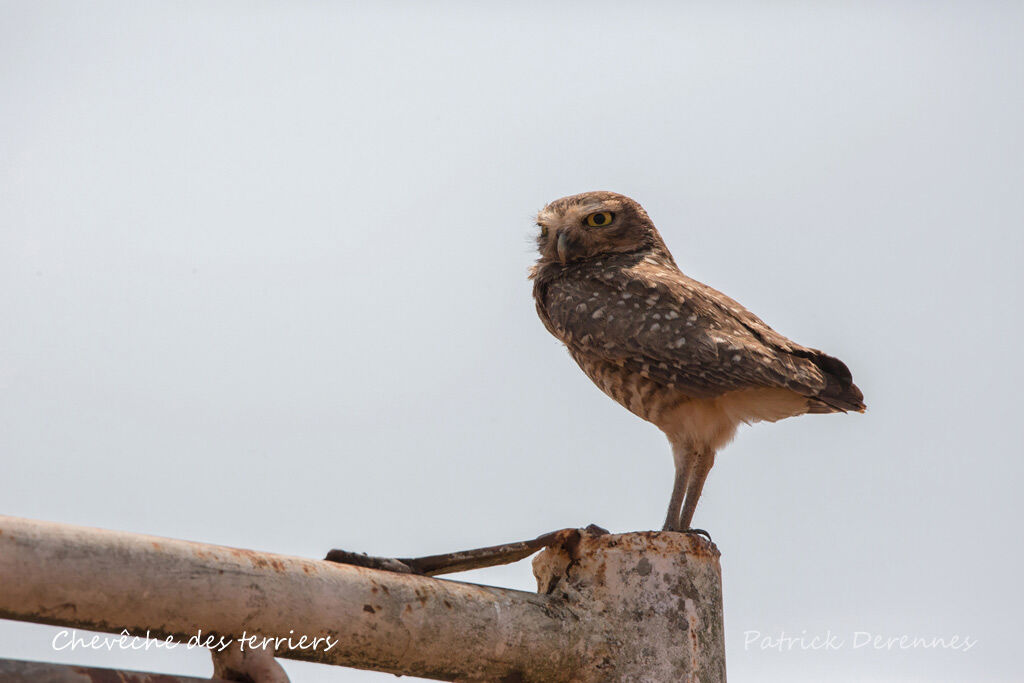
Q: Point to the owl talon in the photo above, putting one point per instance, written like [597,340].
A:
[699,532]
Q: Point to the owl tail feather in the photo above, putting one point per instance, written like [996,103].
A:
[840,393]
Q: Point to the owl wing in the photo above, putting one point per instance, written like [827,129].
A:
[683,334]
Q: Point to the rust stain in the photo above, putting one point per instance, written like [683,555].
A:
[259,560]
[691,619]
[684,544]
[600,577]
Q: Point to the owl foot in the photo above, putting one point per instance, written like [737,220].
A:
[699,532]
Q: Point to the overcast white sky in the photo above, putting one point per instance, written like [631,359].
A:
[263,284]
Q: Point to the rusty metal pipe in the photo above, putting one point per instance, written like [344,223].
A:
[15,671]
[399,623]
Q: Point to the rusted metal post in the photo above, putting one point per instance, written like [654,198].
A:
[630,607]
[649,604]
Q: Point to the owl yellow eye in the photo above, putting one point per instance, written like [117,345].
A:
[543,230]
[597,220]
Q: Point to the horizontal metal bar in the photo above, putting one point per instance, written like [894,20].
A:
[353,616]
[18,671]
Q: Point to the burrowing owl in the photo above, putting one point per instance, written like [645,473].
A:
[670,349]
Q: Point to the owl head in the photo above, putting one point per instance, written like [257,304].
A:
[595,224]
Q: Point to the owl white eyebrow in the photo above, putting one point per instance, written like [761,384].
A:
[596,208]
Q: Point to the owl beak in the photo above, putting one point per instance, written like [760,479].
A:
[562,246]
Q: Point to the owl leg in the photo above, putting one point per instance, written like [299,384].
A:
[684,457]
[694,485]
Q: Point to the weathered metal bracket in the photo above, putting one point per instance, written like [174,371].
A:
[463,560]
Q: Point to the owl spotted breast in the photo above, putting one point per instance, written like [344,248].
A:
[671,350]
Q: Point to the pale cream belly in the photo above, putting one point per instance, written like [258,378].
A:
[701,422]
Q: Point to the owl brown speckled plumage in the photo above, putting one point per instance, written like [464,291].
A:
[673,351]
